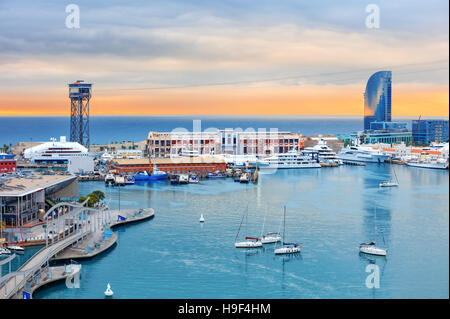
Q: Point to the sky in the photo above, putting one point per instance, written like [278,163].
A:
[223,57]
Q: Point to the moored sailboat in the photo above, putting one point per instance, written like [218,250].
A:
[287,248]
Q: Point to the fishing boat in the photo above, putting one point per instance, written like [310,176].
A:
[129,180]
[371,247]
[194,179]
[216,174]
[145,176]
[174,179]
[250,242]
[287,248]
[183,179]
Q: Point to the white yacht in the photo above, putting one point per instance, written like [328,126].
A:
[271,237]
[430,163]
[291,159]
[55,151]
[325,153]
[4,251]
[362,154]
[110,179]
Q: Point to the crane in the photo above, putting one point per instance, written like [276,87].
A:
[415,131]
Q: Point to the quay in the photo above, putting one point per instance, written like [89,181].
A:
[353,163]
[86,225]
[96,243]
[89,178]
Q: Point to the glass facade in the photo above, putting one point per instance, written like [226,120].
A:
[428,131]
[377,98]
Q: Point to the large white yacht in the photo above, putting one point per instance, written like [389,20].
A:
[429,163]
[55,151]
[362,154]
[325,153]
[291,159]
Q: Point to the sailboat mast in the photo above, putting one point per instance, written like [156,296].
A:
[284,223]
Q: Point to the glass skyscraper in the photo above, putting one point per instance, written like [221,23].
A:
[377,99]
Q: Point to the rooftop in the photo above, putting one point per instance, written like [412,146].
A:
[180,160]
[20,186]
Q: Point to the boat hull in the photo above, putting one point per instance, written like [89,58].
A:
[287,250]
[373,250]
[248,244]
[271,240]
[429,165]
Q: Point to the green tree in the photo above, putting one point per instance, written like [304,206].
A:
[99,194]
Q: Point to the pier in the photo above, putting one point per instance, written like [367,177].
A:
[87,235]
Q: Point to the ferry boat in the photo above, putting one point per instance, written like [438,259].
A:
[325,153]
[57,152]
[362,154]
[291,159]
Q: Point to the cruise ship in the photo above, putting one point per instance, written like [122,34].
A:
[56,152]
[291,159]
[325,153]
[362,154]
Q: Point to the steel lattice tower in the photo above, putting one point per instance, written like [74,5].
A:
[79,94]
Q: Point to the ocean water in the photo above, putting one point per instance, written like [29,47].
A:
[329,210]
[106,129]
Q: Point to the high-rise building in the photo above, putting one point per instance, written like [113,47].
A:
[377,99]
[428,131]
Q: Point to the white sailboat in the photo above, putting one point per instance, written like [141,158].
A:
[287,248]
[250,242]
[390,183]
[371,247]
[270,237]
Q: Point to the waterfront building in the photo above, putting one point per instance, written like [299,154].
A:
[262,143]
[182,165]
[428,131]
[23,200]
[377,98]
[55,152]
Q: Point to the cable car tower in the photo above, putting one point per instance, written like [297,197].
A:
[79,94]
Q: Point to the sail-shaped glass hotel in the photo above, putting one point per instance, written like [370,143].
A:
[377,99]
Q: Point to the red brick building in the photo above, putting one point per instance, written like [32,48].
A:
[192,165]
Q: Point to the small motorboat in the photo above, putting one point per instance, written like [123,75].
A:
[202,219]
[16,248]
[110,179]
[194,179]
[244,178]
[388,184]
[372,249]
[271,237]
[174,179]
[4,251]
[288,248]
[129,180]
[250,242]
[108,291]
[184,179]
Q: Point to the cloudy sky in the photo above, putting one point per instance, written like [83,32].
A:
[222,57]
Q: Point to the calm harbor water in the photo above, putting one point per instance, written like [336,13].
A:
[329,210]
